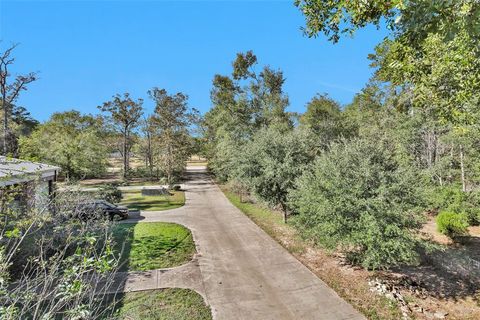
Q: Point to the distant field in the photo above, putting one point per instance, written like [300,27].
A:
[197,163]
[134,200]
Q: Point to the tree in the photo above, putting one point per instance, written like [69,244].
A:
[147,147]
[414,19]
[125,113]
[172,119]
[9,92]
[442,77]
[70,140]
[243,103]
[269,164]
[324,119]
[358,198]
[335,18]
[430,60]
[21,124]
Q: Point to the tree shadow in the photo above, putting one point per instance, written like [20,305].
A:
[448,272]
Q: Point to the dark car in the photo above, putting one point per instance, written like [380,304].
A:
[92,208]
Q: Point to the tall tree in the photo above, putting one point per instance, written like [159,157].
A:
[9,91]
[324,119]
[148,142]
[70,140]
[125,113]
[172,118]
[430,58]
[243,103]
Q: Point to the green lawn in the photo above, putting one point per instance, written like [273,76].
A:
[135,201]
[164,304]
[153,245]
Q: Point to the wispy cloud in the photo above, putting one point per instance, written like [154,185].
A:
[338,87]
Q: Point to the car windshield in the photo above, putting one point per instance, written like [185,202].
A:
[108,204]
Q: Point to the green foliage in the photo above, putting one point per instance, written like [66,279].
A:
[452,224]
[452,199]
[359,199]
[243,103]
[335,18]
[172,119]
[70,140]
[443,74]
[124,115]
[270,163]
[111,193]
[413,20]
[326,121]
[45,255]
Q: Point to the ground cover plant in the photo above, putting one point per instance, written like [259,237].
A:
[152,245]
[163,304]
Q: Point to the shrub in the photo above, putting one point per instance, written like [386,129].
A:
[452,224]
[271,163]
[359,199]
[453,199]
[111,193]
[53,265]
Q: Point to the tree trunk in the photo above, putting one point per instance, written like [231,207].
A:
[125,156]
[462,168]
[5,128]
[169,164]
[285,213]
[150,155]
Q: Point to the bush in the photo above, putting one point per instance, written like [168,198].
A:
[271,163]
[53,265]
[359,199]
[452,224]
[111,193]
[453,199]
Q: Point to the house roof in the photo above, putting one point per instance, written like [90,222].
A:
[13,171]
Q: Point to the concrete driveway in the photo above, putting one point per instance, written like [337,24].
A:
[245,274]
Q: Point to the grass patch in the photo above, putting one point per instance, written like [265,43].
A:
[143,182]
[134,200]
[264,217]
[153,245]
[164,304]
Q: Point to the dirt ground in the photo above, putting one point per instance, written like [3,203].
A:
[446,284]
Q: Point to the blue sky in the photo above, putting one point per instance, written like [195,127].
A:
[86,51]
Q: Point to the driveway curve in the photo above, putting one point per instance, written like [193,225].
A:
[245,273]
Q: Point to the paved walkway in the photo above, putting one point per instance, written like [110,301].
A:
[241,272]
